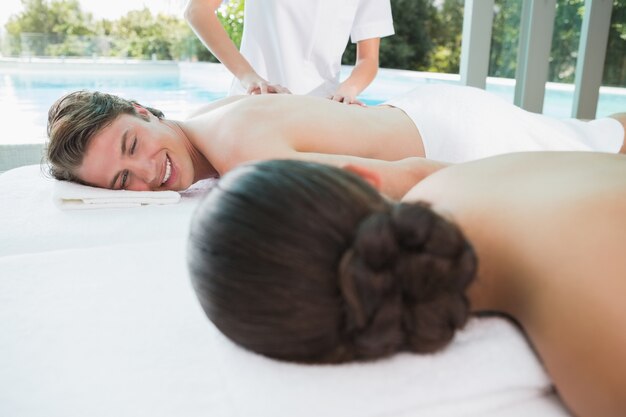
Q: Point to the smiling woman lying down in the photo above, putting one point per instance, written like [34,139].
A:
[309,263]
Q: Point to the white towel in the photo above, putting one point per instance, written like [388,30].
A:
[72,196]
[130,339]
[488,365]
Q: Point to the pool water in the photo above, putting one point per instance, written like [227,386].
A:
[27,89]
[26,96]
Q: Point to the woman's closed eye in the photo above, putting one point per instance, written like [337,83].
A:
[126,173]
[124,180]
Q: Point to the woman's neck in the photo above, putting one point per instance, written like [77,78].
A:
[495,288]
[203,169]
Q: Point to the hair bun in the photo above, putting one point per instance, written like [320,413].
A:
[404,281]
[376,242]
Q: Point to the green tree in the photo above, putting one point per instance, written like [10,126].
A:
[411,45]
[34,19]
[446,34]
[231,16]
[61,28]
[139,34]
[44,28]
[615,63]
[565,40]
[505,38]
[68,18]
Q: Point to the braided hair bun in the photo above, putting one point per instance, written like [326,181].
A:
[403,281]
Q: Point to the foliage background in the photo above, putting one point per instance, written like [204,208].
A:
[428,36]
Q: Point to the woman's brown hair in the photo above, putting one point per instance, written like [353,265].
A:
[76,118]
[306,262]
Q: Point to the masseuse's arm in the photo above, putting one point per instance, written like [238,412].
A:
[363,73]
[200,14]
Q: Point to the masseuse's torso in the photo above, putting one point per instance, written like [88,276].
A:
[246,128]
[549,230]
[299,43]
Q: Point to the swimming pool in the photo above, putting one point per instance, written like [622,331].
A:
[28,88]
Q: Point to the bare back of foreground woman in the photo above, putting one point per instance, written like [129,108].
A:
[549,231]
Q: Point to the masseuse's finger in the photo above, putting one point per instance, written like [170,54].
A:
[358,102]
[349,99]
[278,89]
[259,87]
[337,97]
[253,89]
[282,90]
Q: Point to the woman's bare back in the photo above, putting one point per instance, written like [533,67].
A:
[549,230]
[253,127]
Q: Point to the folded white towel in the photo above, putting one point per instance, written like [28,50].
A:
[72,196]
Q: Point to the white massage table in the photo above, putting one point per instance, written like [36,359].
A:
[98,318]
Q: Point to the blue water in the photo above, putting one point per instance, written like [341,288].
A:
[25,96]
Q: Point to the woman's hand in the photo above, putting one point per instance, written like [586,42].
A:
[254,84]
[364,71]
[346,94]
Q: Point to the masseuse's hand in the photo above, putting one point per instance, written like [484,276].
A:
[346,94]
[254,84]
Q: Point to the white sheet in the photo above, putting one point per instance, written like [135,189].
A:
[109,325]
[30,222]
[128,338]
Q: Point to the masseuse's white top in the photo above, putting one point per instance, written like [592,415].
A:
[299,43]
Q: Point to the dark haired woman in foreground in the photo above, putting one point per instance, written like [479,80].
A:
[308,263]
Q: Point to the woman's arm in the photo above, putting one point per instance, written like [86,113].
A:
[363,73]
[200,14]
[392,178]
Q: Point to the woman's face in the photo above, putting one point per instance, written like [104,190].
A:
[140,153]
